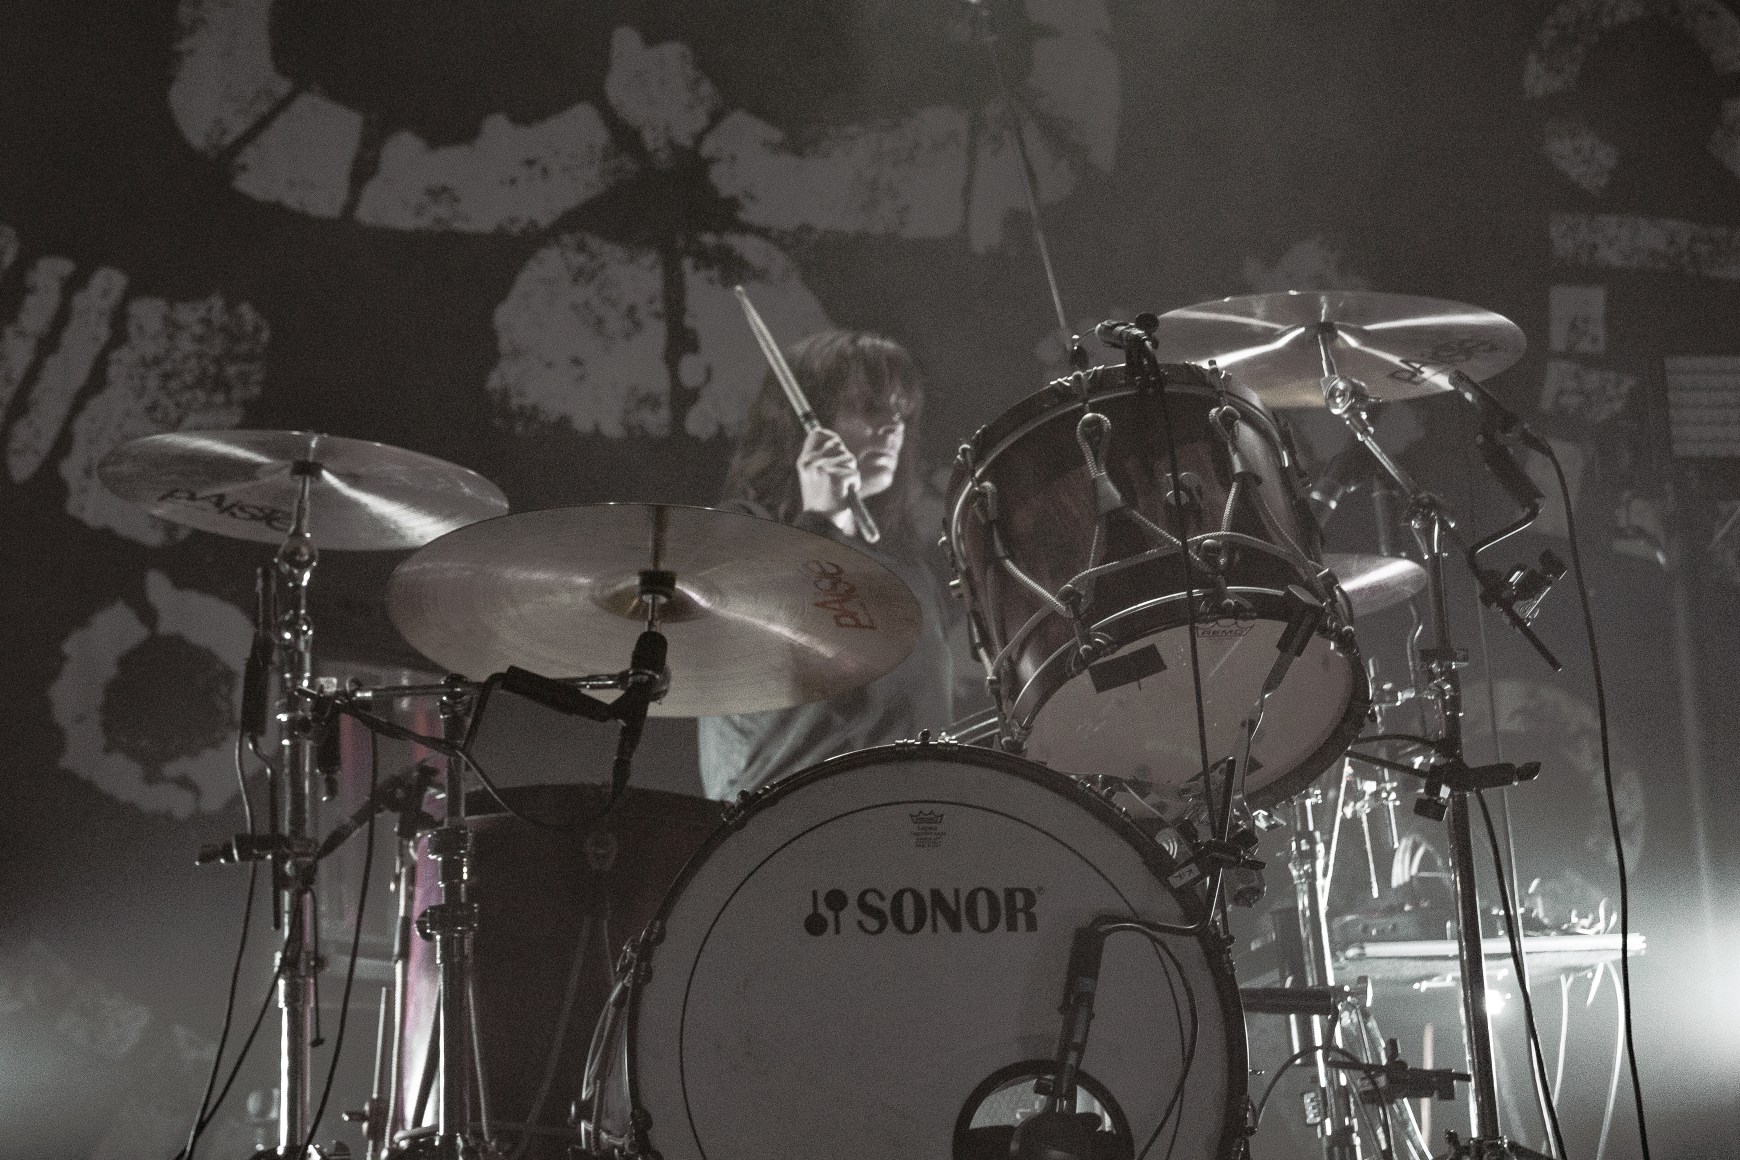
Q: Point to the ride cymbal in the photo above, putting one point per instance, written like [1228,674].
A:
[765,616]
[362,496]
[1282,345]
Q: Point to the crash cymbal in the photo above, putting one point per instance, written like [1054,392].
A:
[766,616]
[1398,345]
[244,483]
[1375,582]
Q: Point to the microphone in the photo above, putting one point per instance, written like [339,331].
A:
[647,684]
[400,793]
[1494,415]
[1124,335]
[1058,1132]
[328,753]
[259,662]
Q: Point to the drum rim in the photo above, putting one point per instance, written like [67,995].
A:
[1006,429]
[1216,952]
[1107,380]
[1272,793]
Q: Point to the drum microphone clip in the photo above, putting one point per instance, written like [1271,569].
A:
[1127,335]
[1448,777]
[1394,1080]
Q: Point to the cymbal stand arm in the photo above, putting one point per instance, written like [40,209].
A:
[1078,355]
[293,869]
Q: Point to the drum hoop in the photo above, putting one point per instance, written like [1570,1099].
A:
[1199,381]
[1271,793]
[1216,956]
[1064,404]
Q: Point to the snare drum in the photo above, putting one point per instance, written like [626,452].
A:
[866,962]
[1076,590]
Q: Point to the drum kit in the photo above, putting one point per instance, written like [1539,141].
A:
[864,959]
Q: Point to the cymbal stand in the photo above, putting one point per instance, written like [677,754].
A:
[1449,783]
[449,923]
[293,865]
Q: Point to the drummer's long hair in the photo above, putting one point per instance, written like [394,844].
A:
[763,470]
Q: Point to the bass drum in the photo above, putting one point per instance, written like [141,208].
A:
[867,960]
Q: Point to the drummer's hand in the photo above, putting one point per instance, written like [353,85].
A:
[826,472]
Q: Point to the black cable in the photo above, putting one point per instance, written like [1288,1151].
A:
[1386,1144]
[1388,1147]
[199,1119]
[1269,1089]
[1519,963]
[1187,1054]
[241,1056]
[380,725]
[1612,797]
[1139,352]
[355,942]
[1300,1056]
[242,785]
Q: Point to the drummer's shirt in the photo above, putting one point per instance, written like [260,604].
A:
[747,750]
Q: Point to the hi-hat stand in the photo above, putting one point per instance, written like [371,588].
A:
[1449,782]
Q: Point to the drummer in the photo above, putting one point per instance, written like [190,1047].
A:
[868,393]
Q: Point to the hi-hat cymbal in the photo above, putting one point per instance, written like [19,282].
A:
[766,616]
[1375,582]
[1400,346]
[365,496]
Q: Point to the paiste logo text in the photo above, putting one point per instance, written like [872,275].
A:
[839,596]
[915,910]
[251,513]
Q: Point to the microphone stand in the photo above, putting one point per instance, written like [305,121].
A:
[1433,529]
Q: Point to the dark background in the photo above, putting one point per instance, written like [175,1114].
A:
[1403,146]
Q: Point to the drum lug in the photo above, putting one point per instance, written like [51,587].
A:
[924,740]
[731,817]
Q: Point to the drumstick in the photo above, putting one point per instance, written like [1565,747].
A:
[806,416]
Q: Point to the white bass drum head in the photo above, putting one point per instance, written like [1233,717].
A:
[845,971]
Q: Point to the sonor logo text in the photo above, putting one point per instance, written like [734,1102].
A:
[915,910]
